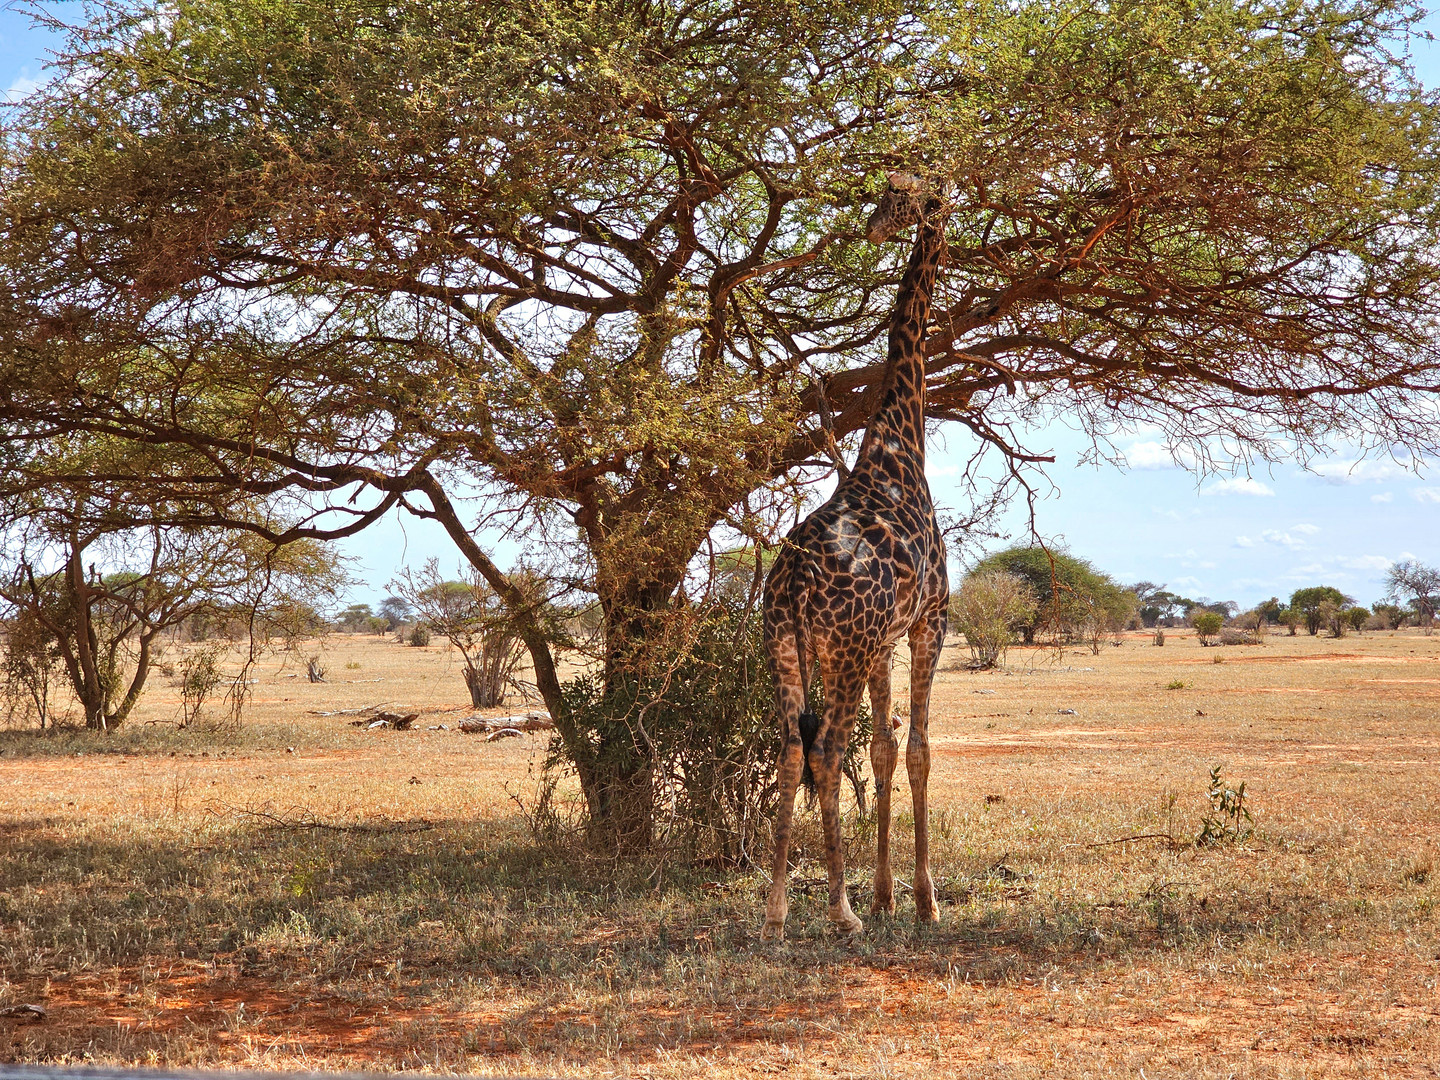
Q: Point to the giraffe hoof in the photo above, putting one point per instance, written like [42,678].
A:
[885,906]
[929,914]
[773,930]
[848,923]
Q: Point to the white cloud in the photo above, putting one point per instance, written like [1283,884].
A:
[1367,562]
[1359,472]
[22,87]
[1236,485]
[1283,539]
[1383,497]
[1151,454]
[1427,495]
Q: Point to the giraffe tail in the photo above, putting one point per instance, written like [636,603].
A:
[808,720]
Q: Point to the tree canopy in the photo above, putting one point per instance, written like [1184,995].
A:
[1418,584]
[1308,602]
[598,266]
[1068,594]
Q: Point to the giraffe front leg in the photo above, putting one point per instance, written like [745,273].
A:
[884,751]
[925,643]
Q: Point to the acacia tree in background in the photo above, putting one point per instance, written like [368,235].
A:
[1416,584]
[1309,606]
[92,588]
[599,267]
[1071,599]
[473,618]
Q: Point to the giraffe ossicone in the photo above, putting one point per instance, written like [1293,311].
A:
[863,571]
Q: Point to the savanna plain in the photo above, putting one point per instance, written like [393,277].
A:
[299,892]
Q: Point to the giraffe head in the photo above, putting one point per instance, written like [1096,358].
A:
[906,200]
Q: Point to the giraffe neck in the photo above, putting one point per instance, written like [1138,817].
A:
[897,429]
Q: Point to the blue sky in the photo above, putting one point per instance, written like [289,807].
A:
[1227,538]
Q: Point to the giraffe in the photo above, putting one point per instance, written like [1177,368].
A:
[862,571]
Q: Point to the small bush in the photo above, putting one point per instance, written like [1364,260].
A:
[1159,638]
[200,675]
[989,609]
[1207,625]
[708,781]
[1175,685]
[1229,820]
[419,635]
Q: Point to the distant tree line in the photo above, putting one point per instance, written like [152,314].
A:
[1031,593]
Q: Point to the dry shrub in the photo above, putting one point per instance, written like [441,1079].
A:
[989,610]
[706,791]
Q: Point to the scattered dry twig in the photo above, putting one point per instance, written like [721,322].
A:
[1174,842]
[305,821]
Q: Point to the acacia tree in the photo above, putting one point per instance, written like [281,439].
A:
[473,618]
[601,266]
[1069,597]
[1309,605]
[1418,584]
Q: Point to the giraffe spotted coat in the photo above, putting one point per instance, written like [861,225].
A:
[862,572]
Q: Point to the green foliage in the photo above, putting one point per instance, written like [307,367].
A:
[1072,598]
[694,745]
[1228,819]
[1207,625]
[355,619]
[419,636]
[1389,616]
[1156,605]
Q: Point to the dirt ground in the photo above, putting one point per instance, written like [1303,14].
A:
[302,893]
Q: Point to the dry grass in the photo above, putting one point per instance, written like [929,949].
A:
[151,901]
